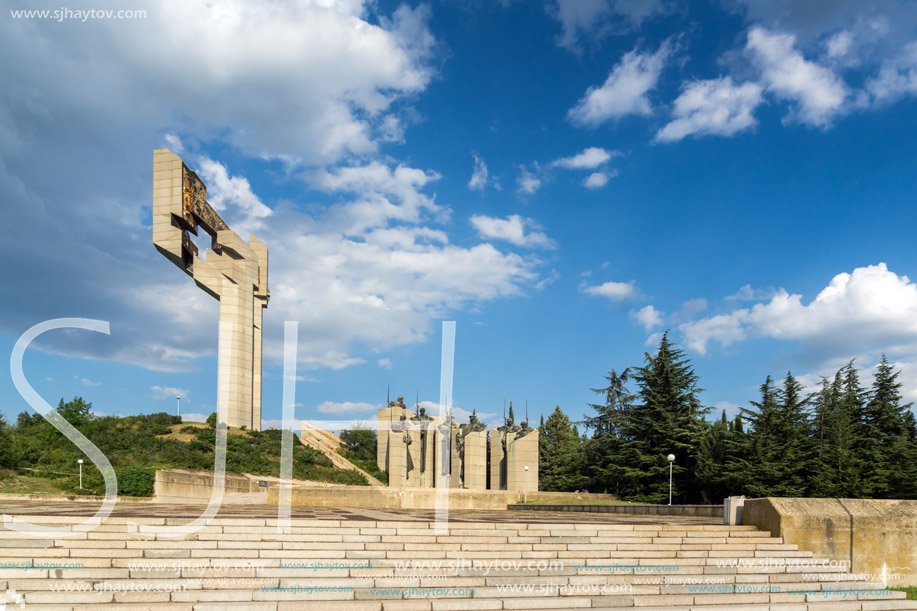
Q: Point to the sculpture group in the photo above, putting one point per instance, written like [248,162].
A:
[415,450]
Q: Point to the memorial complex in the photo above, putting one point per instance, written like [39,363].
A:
[415,449]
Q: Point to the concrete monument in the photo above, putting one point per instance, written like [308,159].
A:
[232,271]
[417,450]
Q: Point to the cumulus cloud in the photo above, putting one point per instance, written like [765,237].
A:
[513,230]
[331,77]
[597,180]
[817,93]
[713,107]
[527,182]
[897,77]
[88,382]
[869,310]
[625,90]
[648,316]
[615,291]
[290,87]
[232,194]
[599,17]
[478,179]
[591,158]
[168,392]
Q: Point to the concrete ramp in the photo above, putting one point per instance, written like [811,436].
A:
[329,444]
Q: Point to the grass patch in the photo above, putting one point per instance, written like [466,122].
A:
[14,483]
[368,465]
[911,591]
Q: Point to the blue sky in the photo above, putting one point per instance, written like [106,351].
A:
[565,180]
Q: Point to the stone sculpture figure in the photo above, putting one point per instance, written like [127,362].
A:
[409,464]
[232,271]
[422,417]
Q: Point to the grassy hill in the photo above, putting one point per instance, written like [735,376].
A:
[136,447]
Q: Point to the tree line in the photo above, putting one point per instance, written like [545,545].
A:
[846,440]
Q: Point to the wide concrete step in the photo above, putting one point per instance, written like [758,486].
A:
[240,563]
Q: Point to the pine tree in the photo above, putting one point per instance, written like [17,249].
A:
[711,460]
[838,407]
[757,464]
[603,449]
[794,429]
[561,463]
[887,422]
[668,418]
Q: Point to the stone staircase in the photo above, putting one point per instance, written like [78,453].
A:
[329,444]
[357,564]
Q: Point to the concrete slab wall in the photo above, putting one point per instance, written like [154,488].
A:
[873,536]
[180,486]
[366,497]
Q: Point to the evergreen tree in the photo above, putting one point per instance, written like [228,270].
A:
[888,425]
[668,418]
[7,449]
[603,449]
[561,461]
[712,457]
[837,410]
[757,465]
[794,429]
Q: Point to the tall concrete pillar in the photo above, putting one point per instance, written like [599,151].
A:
[231,270]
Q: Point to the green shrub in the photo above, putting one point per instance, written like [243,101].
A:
[134,480]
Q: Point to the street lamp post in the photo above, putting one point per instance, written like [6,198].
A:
[178,405]
[671,458]
[525,487]
[80,463]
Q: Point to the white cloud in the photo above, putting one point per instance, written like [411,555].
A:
[616,291]
[625,90]
[600,17]
[839,45]
[175,143]
[527,182]
[747,293]
[311,81]
[648,316]
[597,180]
[591,158]
[386,363]
[385,194]
[817,92]
[712,107]
[169,392]
[513,230]
[346,407]
[897,77]
[232,196]
[688,310]
[88,382]
[194,417]
[864,312]
[479,175]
